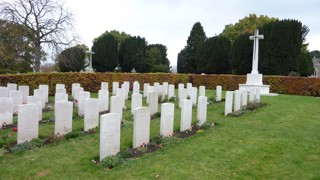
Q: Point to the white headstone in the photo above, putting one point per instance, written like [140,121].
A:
[194,95]
[83,95]
[60,90]
[136,87]
[91,114]
[121,92]
[6,110]
[156,87]
[37,101]
[165,88]
[116,105]
[171,91]
[115,86]
[4,92]
[150,89]
[153,103]
[60,97]
[202,91]
[182,96]
[145,89]
[228,103]
[237,100]
[136,101]
[189,89]
[218,93]
[110,128]
[186,115]
[104,86]
[167,119]
[252,95]
[244,98]
[74,86]
[103,96]
[161,94]
[77,91]
[41,94]
[60,86]
[141,127]
[16,97]
[126,87]
[63,117]
[45,88]
[12,87]
[25,93]
[28,123]
[180,86]
[202,110]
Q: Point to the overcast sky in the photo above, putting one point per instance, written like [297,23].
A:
[169,22]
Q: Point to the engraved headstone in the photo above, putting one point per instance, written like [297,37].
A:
[136,87]
[41,94]
[136,101]
[103,96]
[145,89]
[165,88]
[252,94]
[37,101]
[171,91]
[244,98]
[182,96]
[237,100]
[218,93]
[74,86]
[202,110]
[45,88]
[16,97]
[6,110]
[167,119]
[60,86]
[116,105]
[91,114]
[60,97]
[228,103]
[186,115]
[25,93]
[115,86]
[153,103]
[104,86]
[28,123]
[77,91]
[141,127]
[60,90]
[63,117]
[83,95]
[194,95]
[110,128]
[202,91]
[12,87]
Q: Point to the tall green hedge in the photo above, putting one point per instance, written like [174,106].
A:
[91,81]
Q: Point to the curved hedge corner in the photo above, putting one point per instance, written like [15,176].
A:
[91,81]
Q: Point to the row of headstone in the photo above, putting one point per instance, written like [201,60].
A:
[110,123]
[237,100]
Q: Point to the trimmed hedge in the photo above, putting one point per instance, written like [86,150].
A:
[91,81]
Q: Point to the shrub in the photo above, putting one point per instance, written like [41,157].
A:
[28,145]
[206,125]
[72,135]
[112,161]
[126,153]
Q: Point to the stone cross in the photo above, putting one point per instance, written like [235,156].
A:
[255,55]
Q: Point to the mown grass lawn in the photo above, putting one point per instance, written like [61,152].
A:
[278,141]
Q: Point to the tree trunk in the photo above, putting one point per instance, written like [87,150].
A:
[37,58]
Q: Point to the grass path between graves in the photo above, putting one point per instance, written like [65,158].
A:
[278,141]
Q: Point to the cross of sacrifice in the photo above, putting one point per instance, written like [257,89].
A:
[255,54]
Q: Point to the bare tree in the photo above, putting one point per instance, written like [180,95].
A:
[47,20]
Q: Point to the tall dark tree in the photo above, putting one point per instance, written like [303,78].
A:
[72,59]
[132,54]
[189,60]
[47,21]
[156,55]
[215,56]
[241,55]
[105,48]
